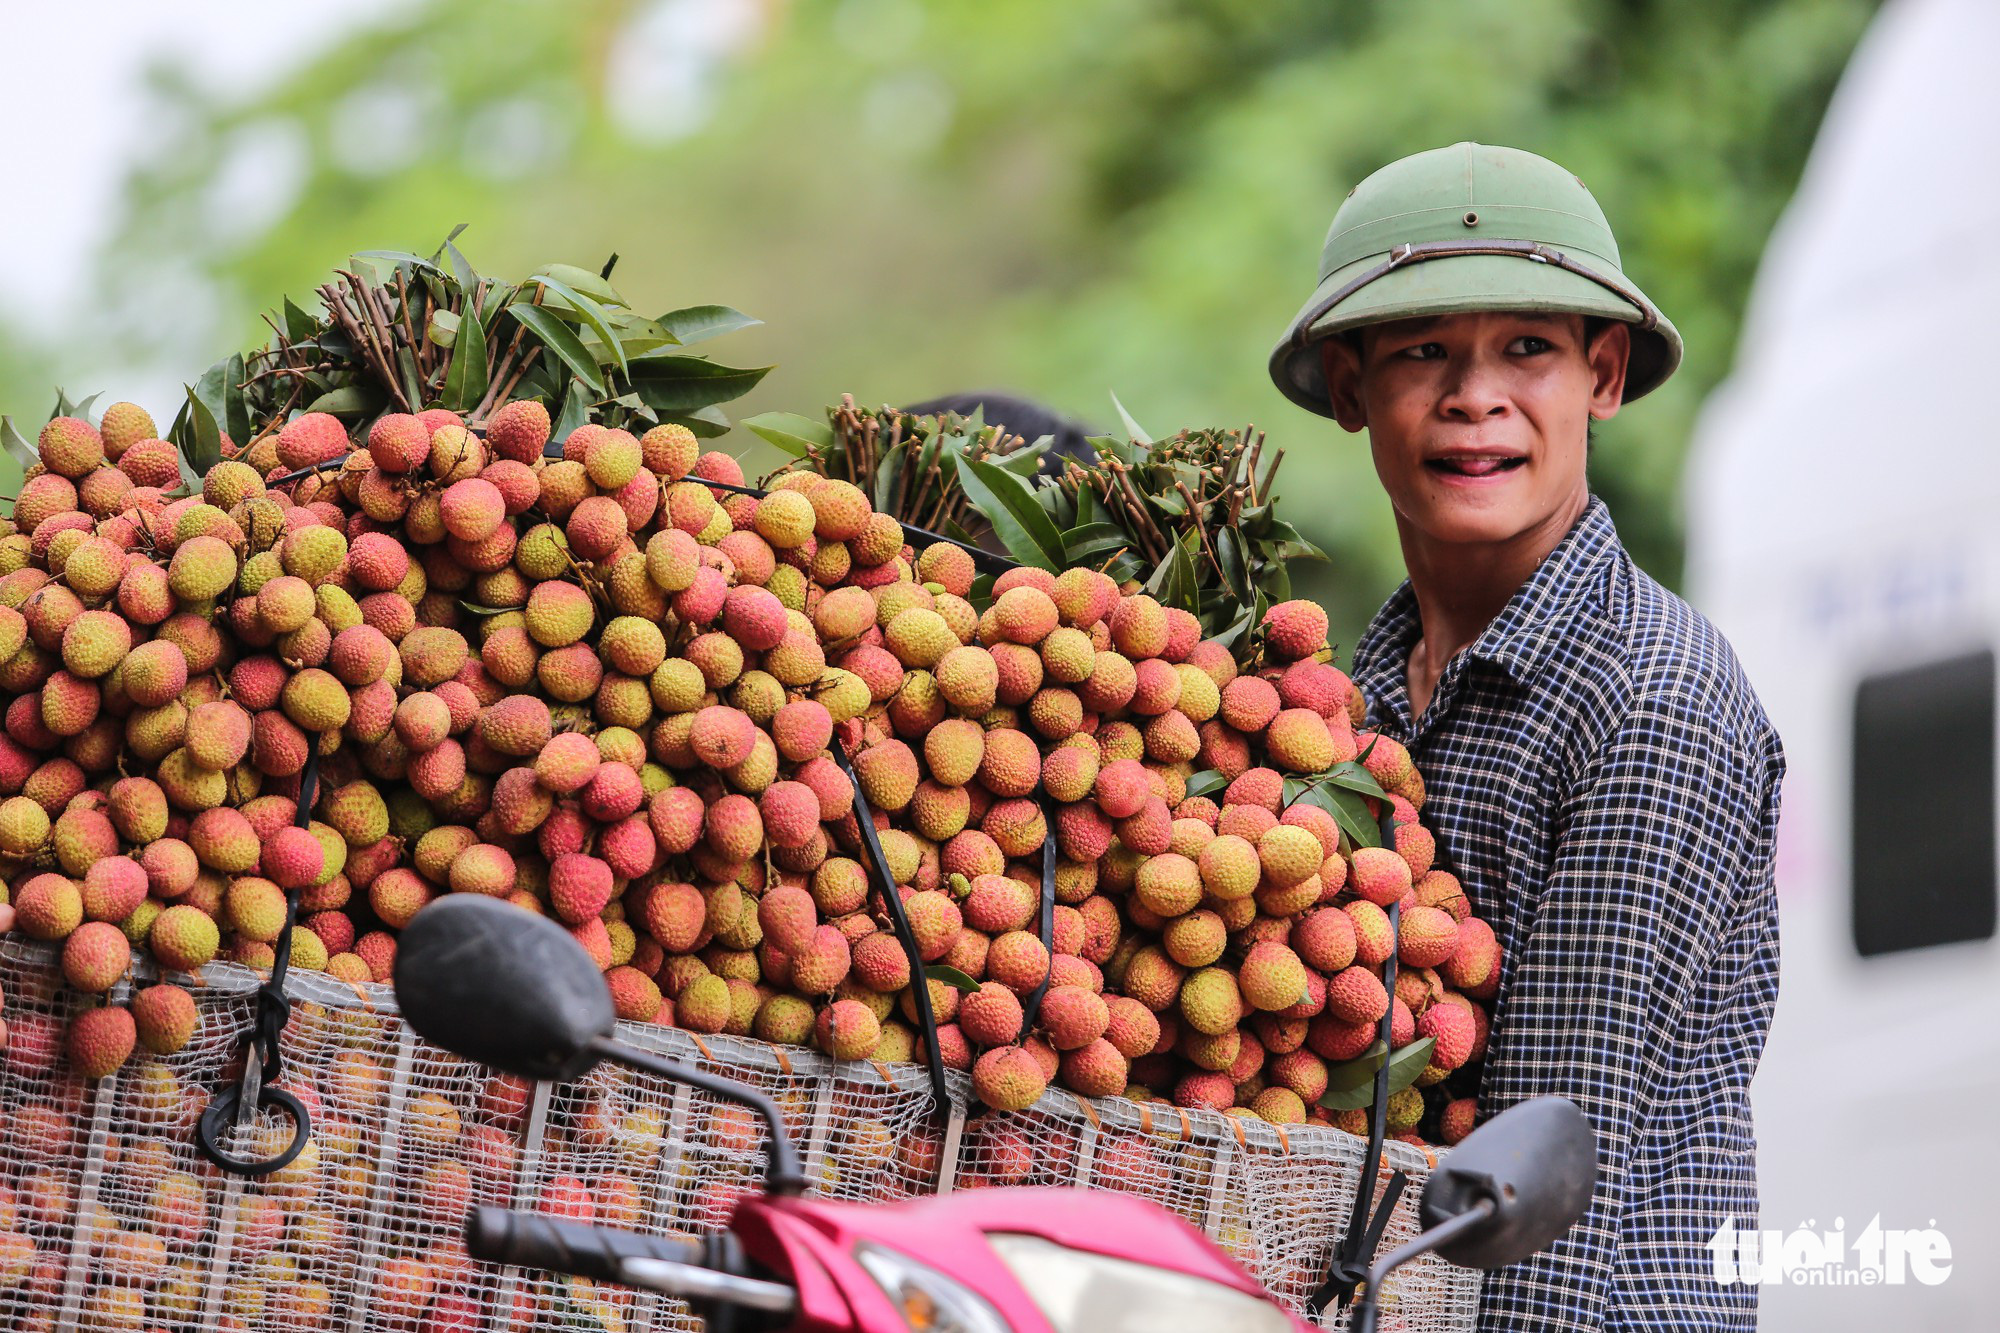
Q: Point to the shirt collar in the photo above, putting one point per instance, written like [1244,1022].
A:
[1519,639]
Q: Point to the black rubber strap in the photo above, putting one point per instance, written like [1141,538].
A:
[899,920]
[1045,918]
[1355,1254]
[263,1046]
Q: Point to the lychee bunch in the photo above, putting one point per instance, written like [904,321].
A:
[579,674]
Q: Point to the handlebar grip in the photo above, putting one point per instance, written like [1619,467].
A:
[532,1240]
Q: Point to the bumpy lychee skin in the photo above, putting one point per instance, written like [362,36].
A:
[1008,1078]
[1427,936]
[1356,995]
[1272,977]
[293,858]
[1324,939]
[100,1041]
[1096,1069]
[1122,788]
[1294,629]
[1379,875]
[1455,1031]
[164,1017]
[1073,1016]
[95,956]
[991,1015]
[518,430]
[48,907]
[847,1030]
[722,737]
[1211,1002]
[1474,965]
[71,446]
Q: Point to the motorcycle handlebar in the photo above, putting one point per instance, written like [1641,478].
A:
[532,1240]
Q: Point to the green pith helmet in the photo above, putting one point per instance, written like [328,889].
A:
[1462,229]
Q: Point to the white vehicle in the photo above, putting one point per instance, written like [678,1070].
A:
[1843,502]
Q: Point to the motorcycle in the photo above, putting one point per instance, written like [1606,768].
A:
[513,990]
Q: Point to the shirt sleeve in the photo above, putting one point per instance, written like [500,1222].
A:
[1642,993]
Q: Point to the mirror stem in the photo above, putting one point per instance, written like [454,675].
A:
[1402,1254]
[784,1176]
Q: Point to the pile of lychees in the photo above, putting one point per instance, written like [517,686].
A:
[598,687]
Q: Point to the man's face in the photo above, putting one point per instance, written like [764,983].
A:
[1478,422]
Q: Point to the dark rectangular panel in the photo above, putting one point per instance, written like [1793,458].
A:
[1923,852]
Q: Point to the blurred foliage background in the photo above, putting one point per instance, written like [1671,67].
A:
[1057,198]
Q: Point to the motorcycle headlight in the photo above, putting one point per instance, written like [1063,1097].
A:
[930,1302]
[1079,1292]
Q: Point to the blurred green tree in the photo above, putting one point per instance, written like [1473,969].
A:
[1062,199]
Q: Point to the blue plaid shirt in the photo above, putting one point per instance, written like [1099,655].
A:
[1601,777]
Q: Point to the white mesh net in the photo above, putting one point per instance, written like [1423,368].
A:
[111,1219]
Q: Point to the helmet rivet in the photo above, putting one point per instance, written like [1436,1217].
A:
[1472,219]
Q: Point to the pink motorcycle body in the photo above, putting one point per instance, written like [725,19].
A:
[812,1244]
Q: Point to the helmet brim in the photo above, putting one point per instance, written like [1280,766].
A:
[1464,284]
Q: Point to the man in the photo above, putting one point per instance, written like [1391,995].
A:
[1599,772]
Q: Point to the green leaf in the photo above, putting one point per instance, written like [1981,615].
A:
[591,313]
[213,391]
[1235,570]
[202,449]
[639,334]
[354,400]
[1174,583]
[1354,777]
[299,326]
[465,379]
[698,323]
[1359,1072]
[581,280]
[476,609]
[561,340]
[1349,811]
[400,257]
[1350,1085]
[461,270]
[685,383]
[1090,539]
[16,445]
[575,410]
[236,402]
[951,977]
[1204,782]
[1027,460]
[889,476]
[707,422]
[791,432]
[1120,449]
[443,328]
[1021,524]
[413,382]
[1132,428]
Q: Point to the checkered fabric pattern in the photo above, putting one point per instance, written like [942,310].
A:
[1601,777]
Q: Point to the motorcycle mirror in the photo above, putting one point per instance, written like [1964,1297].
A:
[1531,1170]
[511,989]
[506,987]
